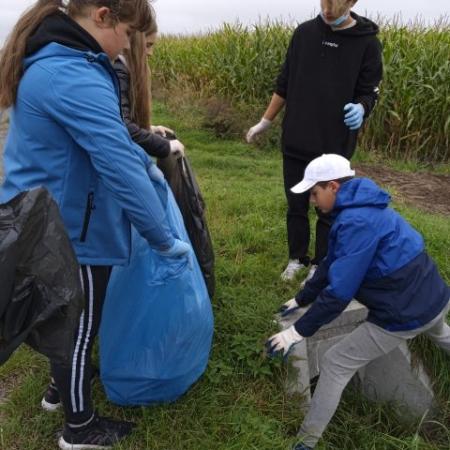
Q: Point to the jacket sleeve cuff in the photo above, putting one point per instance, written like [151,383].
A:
[367,104]
[281,92]
[324,309]
[302,299]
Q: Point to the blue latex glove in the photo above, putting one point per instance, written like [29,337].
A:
[282,343]
[179,249]
[354,115]
[155,174]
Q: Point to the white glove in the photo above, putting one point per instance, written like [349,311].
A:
[259,128]
[289,307]
[176,148]
[160,129]
[283,342]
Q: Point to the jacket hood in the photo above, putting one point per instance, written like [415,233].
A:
[363,26]
[59,28]
[360,192]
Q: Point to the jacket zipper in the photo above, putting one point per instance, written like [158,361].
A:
[87,216]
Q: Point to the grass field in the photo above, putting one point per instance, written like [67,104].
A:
[239,404]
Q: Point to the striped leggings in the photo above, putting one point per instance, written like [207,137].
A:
[74,382]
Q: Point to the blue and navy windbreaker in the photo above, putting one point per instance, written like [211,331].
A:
[66,133]
[375,256]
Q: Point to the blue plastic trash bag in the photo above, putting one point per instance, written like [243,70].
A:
[157,324]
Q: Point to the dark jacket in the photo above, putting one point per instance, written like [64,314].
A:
[375,256]
[323,71]
[153,144]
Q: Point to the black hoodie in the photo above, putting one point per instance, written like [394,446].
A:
[60,28]
[324,70]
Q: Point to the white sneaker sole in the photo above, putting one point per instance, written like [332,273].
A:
[63,445]
[50,407]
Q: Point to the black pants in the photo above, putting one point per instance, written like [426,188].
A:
[297,220]
[74,382]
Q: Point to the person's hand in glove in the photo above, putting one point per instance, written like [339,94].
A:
[289,307]
[179,249]
[176,148]
[282,343]
[259,128]
[161,130]
[354,115]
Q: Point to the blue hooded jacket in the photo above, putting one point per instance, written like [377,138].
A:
[66,134]
[375,256]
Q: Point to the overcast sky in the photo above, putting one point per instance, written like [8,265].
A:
[187,16]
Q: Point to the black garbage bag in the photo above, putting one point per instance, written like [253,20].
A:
[40,291]
[181,179]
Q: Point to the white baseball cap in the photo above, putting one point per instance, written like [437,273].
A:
[324,168]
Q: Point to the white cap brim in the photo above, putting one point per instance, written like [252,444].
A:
[303,186]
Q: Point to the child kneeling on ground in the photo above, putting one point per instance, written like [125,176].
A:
[375,256]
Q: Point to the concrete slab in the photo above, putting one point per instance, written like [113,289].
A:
[393,378]
[390,378]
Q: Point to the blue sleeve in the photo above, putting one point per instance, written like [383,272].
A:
[355,246]
[85,103]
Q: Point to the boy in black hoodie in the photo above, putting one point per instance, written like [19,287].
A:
[329,85]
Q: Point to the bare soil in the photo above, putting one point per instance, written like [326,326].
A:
[427,191]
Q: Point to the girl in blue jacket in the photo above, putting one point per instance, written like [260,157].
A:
[66,134]
[375,256]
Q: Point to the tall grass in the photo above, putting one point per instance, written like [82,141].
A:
[239,64]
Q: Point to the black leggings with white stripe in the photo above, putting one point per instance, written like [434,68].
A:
[74,382]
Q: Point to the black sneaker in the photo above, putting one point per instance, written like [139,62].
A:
[100,433]
[51,401]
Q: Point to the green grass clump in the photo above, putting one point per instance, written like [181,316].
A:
[239,65]
[240,404]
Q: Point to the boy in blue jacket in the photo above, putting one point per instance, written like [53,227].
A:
[375,256]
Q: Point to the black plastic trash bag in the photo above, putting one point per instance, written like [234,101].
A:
[40,290]
[181,179]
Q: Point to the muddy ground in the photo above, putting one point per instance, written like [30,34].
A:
[424,190]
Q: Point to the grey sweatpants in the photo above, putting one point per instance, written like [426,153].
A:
[343,360]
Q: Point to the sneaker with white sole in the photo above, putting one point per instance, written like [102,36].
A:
[293,267]
[51,401]
[100,433]
[311,273]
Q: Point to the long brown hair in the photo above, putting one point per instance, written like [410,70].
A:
[139,13]
[140,78]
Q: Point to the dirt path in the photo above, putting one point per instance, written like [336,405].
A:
[423,190]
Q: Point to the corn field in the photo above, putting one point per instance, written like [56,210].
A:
[239,64]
